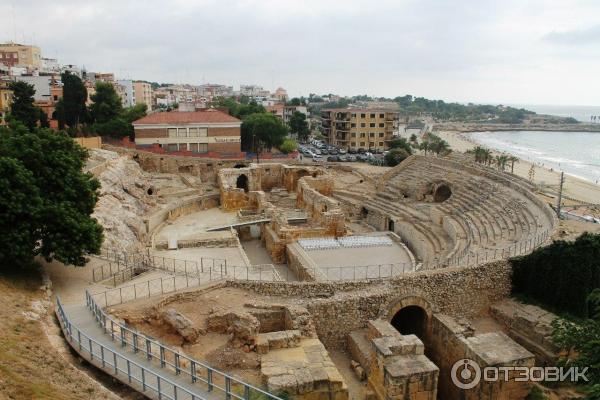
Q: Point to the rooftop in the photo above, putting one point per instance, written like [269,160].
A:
[182,117]
[358,109]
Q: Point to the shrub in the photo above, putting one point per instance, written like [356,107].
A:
[562,275]
[288,146]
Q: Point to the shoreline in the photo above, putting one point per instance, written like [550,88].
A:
[574,187]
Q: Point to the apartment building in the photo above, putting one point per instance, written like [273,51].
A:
[288,111]
[212,90]
[142,92]
[20,55]
[196,131]
[356,128]
[126,92]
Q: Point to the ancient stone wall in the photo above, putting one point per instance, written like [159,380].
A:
[341,307]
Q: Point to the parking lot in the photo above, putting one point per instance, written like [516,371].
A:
[318,151]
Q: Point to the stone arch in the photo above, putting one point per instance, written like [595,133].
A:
[242,182]
[411,315]
[441,192]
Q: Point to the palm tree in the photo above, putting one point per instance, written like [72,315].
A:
[501,161]
[512,160]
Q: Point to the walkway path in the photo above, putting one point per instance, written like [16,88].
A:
[144,375]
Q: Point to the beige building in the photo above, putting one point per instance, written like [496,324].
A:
[21,55]
[142,91]
[5,100]
[355,128]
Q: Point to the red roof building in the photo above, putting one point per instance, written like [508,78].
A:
[196,131]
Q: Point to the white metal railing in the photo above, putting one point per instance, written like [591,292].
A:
[173,360]
[120,366]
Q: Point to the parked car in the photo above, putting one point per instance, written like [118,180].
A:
[362,150]
[351,158]
[342,151]
[317,158]
[333,152]
[324,152]
[317,152]
[333,158]
[351,151]
[361,157]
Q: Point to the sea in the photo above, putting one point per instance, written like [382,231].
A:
[575,153]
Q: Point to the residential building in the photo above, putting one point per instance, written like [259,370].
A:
[356,128]
[281,94]
[126,92]
[50,66]
[26,56]
[41,84]
[288,111]
[74,69]
[143,93]
[211,90]
[253,91]
[276,110]
[196,131]
[5,100]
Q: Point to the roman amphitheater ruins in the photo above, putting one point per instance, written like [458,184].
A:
[233,279]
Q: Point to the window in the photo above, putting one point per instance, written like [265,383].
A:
[181,132]
[353,144]
[372,125]
[193,132]
[353,125]
[371,144]
[362,134]
[381,125]
[353,134]
[362,124]
[203,132]
[194,147]
[372,115]
[202,147]
[172,147]
[362,144]
[372,134]
[353,115]
[381,115]
[363,115]
[172,132]
[381,144]
[380,134]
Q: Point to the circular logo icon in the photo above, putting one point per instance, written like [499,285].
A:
[466,374]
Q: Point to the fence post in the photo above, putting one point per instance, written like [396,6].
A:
[158,387]
[193,371]
[143,380]
[161,350]
[148,349]
[115,361]
[91,350]
[177,369]
[102,355]
[128,370]
[227,387]
[209,379]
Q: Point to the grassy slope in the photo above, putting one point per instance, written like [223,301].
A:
[30,368]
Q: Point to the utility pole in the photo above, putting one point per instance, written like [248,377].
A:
[560,189]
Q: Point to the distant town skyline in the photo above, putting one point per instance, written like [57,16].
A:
[513,52]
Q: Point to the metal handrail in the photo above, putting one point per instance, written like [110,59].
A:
[109,359]
[140,342]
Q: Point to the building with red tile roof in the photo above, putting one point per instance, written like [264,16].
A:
[196,131]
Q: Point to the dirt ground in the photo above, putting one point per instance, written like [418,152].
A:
[35,362]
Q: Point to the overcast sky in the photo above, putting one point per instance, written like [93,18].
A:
[500,51]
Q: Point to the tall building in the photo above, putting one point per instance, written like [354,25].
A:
[281,94]
[20,55]
[126,92]
[142,92]
[356,128]
[211,90]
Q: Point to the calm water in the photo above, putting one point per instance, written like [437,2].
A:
[575,153]
[580,113]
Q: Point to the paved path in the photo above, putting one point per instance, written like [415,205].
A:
[155,376]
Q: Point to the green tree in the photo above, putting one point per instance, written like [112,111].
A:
[71,109]
[396,156]
[63,227]
[262,131]
[106,103]
[20,203]
[22,108]
[299,125]
[401,143]
[288,146]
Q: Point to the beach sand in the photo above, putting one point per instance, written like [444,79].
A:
[575,188]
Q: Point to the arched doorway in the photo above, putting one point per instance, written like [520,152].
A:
[411,320]
[391,225]
[242,182]
[441,193]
